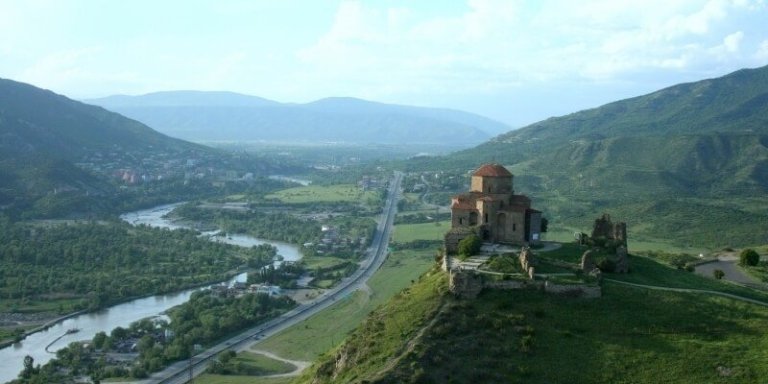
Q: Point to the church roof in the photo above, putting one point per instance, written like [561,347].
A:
[463,205]
[492,170]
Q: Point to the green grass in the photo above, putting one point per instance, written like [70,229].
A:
[222,379]
[35,306]
[628,336]
[320,193]
[309,339]
[647,271]
[262,365]
[314,262]
[405,233]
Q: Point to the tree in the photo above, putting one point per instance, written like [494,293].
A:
[749,257]
[718,274]
[469,245]
[29,367]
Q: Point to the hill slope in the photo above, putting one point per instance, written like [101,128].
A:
[43,135]
[222,116]
[687,147]
[424,335]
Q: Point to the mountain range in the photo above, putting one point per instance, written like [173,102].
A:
[227,116]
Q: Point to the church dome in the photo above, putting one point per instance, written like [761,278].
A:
[492,170]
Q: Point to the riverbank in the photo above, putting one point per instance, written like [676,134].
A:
[45,326]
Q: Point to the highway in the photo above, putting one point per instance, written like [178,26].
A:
[183,372]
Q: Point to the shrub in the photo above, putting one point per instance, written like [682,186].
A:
[606,265]
[470,245]
[718,274]
[749,257]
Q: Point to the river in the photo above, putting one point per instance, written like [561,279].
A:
[121,315]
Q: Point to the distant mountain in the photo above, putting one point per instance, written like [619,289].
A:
[736,103]
[224,116]
[661,159]
[43,135]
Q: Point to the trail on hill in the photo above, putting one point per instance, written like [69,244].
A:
[690,290]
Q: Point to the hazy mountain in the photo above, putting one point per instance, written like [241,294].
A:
[223,116]
[42,136]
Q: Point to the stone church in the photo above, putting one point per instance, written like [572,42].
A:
[493,211]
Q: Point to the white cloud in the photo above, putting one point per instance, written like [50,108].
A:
[732,41]
[507,41]
[762,52]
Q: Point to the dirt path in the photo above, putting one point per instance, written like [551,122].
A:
[300,365]
[690,290]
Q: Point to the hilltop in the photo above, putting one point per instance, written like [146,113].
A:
[425,335]
[663,160]
[226,116]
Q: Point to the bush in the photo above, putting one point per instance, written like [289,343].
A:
[718,274]
[470,245]
[606,265]
[749,257]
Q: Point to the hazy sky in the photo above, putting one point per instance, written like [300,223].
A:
[516,61]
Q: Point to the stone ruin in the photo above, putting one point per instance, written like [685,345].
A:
[527,262]
[607,230]
[588,265]
[609,236]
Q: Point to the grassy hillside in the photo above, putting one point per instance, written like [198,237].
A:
[688,163]
[629,335]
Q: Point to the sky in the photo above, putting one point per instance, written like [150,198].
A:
[515,61]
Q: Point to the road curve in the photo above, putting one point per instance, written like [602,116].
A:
[184,371]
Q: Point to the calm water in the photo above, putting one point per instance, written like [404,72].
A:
[121,315]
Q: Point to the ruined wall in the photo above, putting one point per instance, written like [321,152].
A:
[468,284]
[452,239]
[574,290]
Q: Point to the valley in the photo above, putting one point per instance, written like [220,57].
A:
[362,297]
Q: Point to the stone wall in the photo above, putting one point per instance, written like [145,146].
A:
[468,284]
[575,290]
[453,237]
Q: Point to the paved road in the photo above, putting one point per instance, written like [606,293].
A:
[183,372]
[728,263]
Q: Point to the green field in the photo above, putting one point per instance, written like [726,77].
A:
[405,233]
[322,194]
[309,339]
[314,262]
